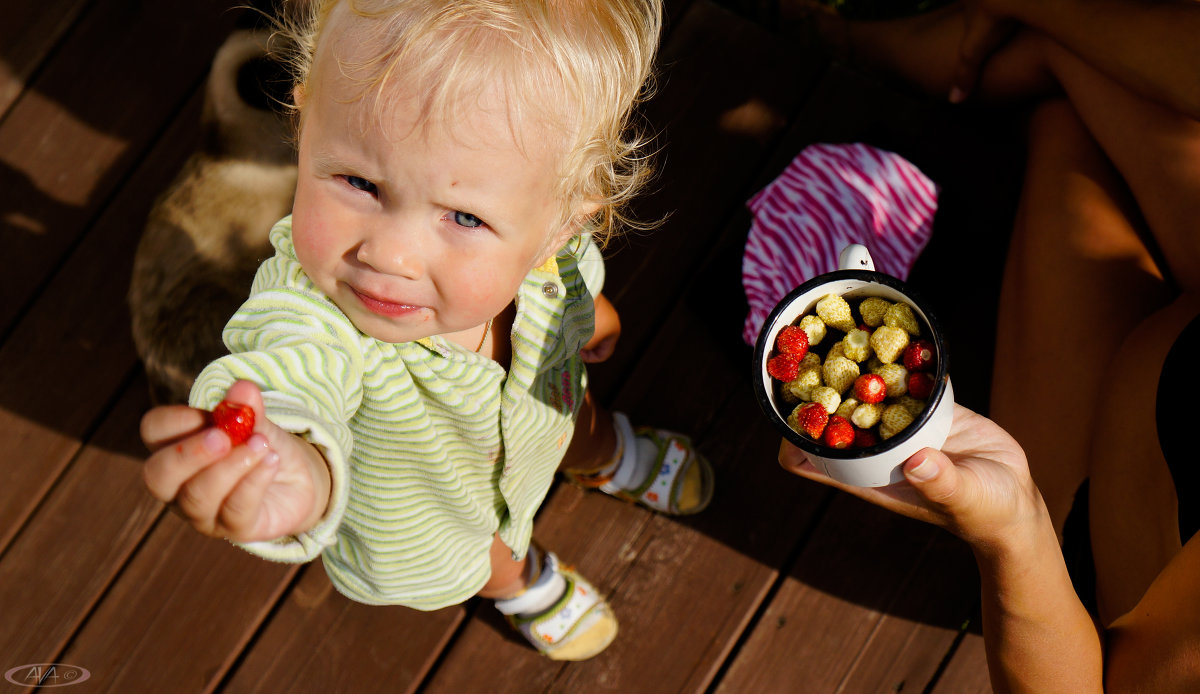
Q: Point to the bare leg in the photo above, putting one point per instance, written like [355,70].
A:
[1133,504]
[922,51]
[509,576]
[1077,278]
[1155,149]
[595,440]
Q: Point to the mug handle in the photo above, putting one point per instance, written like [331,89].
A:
[855,257]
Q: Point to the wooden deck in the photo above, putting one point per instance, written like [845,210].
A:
[781,586]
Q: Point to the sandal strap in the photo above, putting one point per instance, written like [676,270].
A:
[659,489]
[578,607]
[622,477]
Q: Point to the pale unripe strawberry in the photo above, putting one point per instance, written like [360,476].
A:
[895,377]
[901,316]
[834,310]
[913,405]
[828,397]
[810,360]
[839,373]
[889,343]
[837,349]
[867,415]
[815,327]
[856,345]
[800,388]
[894,419]
[872,310]
[847,407]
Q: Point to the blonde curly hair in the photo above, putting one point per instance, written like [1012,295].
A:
[581,65]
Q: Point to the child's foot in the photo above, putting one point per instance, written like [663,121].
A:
[560,613]
[655,468]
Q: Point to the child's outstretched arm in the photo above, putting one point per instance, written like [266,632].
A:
[274,485]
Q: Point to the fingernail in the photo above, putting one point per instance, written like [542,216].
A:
[214,441]
[957,95]
[257,443]
[924,471]
[271,459]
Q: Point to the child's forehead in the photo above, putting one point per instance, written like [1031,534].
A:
[358,62]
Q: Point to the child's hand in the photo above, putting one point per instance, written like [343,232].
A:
[608,330]
[274,485]
[977,486]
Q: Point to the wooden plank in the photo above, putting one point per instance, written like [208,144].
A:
[64,361]
[30,31]
[80,537]
[320,641]
[179,614]
[87,120]
[967,671]
[725,93]
[920,628]
[825,614]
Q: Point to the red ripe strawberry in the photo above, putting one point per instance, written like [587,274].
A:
[865,437]
[870,388]
[920,385]
[839,433]
[918,356]
[235,419]
[812,418]
[792,340]
[784,367]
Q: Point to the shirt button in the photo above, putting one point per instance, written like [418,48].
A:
[550,290]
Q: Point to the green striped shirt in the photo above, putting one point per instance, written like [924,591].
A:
[432,448]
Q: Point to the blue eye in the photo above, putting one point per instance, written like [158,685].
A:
[361,184]
[466,219]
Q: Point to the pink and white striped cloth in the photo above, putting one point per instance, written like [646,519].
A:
[831,196]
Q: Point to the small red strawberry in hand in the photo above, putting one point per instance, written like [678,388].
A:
[792,340]
[235,419]
[811,418]
[920,385]
[870,388]
[839,433]
[918,356]
[784,367]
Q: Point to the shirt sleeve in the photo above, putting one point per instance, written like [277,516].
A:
[306,357]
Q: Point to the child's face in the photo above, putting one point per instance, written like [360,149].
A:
[418,232]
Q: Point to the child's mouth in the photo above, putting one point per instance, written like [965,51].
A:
[382,306]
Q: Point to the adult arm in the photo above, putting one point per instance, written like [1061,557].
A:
[1038,636]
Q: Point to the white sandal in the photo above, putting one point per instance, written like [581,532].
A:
[577,626]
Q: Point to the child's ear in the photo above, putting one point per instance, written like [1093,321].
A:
[298,95]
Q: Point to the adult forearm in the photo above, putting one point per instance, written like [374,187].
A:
[1039,637]
[1149,47]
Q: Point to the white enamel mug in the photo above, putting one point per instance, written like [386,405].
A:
[878,465]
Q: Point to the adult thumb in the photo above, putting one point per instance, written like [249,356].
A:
[933,475]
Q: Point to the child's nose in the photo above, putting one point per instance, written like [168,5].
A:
[391,253]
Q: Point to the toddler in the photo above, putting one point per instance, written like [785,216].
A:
[414,351]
